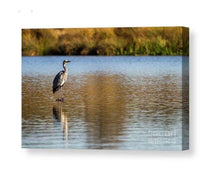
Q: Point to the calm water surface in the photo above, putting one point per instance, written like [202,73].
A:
[110,103]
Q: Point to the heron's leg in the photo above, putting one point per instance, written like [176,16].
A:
[62,99]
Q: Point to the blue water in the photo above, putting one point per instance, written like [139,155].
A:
[128,65]
[112,102]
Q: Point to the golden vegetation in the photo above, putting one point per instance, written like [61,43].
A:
[106,41]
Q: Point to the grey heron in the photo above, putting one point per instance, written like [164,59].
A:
[60,78]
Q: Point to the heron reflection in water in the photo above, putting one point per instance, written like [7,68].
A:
[61,117]
[60,80]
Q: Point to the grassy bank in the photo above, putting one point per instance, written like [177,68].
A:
[106,41]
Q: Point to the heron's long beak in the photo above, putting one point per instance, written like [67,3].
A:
[68,61]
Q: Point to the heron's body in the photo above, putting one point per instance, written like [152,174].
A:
[60,78]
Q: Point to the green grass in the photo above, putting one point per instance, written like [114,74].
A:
[106,41]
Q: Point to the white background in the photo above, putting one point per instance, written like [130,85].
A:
[203,19]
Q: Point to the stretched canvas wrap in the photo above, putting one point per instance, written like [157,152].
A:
[106,88]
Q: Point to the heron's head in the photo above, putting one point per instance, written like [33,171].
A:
[66,61]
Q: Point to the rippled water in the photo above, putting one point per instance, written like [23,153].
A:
[110,103]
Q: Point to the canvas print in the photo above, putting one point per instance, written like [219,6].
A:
[105,88]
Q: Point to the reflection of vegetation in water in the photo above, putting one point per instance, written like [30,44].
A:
[106,41]
[101,108]
[99,94]
[105,107]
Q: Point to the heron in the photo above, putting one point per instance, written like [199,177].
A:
[60,79]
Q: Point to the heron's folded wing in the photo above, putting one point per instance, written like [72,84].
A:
[58,80]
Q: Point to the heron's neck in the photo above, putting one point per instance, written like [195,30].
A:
[65,68]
